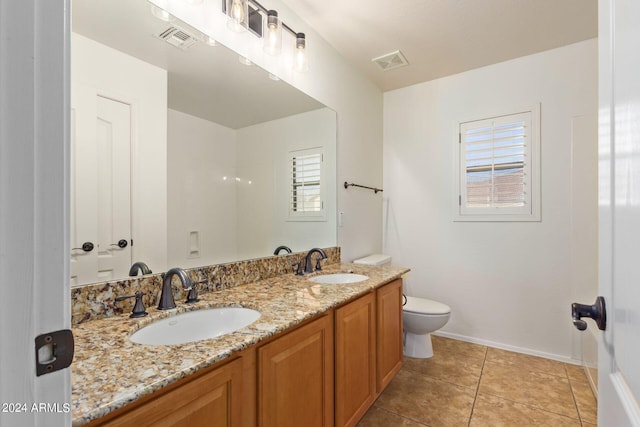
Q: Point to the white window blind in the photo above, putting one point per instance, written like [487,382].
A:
[306,196]
[496,164]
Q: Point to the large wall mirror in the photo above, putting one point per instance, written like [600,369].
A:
[181,155]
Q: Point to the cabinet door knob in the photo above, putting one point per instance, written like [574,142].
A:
[86,246]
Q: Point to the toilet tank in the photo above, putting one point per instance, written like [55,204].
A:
[375,259]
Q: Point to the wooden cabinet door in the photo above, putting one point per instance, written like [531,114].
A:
[210,400]
[389,332]
[355,359]
[295,377]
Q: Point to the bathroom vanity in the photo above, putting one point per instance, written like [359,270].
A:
[318,355]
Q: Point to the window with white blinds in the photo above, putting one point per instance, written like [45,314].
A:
[498,168]
[306,186]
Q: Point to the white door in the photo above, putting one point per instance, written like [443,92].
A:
[100,187]
[34,236]
[619,212]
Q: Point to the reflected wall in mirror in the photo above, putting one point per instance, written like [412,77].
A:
[181,155]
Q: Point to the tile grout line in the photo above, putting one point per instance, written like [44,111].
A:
[532,405]
[402,416]
[440,380]
[537,408]
[573,395]
[475,397]
[540,408]
[540,371]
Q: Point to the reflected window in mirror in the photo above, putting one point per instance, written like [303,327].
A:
[306,184]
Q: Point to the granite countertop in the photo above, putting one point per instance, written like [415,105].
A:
[109,371]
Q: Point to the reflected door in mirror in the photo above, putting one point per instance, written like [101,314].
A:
[100,186]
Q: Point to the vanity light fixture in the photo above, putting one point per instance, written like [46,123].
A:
[269,27]
[251,15]
[301,62]
[273,33]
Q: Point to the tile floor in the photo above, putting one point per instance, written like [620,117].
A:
[466,384]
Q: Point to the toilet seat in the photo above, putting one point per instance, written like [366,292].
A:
[425,306]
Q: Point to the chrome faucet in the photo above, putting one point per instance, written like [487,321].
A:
[166,297]
[139,266]
[308,267]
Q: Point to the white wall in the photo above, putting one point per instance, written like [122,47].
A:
[199,154]
[144,86]
[330,80]
[262,210]
[242,216]
[508,284]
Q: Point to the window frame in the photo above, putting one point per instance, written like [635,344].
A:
[306,215]
[500,214]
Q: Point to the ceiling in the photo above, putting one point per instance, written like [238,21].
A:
[444,37]
[437,37]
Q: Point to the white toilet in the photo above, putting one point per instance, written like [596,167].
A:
[420,317]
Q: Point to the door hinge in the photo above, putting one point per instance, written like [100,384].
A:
[459,138]
[459,200]
[54,351]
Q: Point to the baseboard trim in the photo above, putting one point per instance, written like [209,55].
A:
[593,382]
[515,349]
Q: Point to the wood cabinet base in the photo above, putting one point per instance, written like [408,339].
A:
[389,333]
[355,359]
[211,399]
[295,377]
[288,381]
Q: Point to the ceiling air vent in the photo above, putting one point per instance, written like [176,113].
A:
[177,37]
[391,60]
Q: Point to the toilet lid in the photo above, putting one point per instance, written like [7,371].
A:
[425,306]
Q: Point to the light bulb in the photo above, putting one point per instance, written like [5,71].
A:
[273,34]
[301,62]
[237,11]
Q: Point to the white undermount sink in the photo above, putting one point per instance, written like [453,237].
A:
[338,278]
[195,326]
